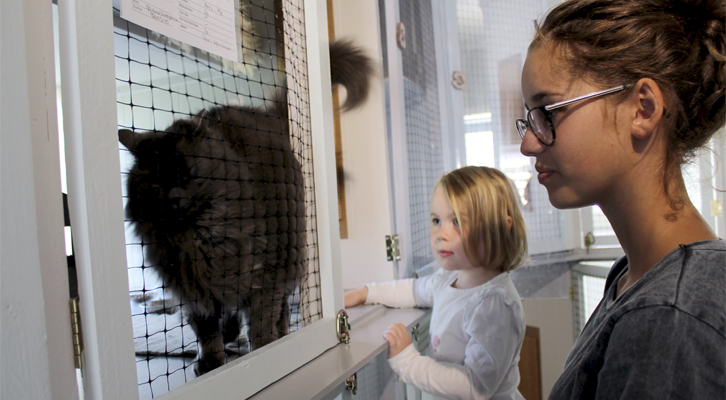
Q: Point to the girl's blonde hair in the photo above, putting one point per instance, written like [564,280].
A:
[482,198]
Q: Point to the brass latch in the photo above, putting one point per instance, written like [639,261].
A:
[351,383]
[589,240]
[76,332]
[393,248]
[342,327]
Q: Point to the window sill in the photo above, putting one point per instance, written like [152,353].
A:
[329,370]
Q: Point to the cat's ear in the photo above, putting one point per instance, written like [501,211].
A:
[187,128]
[128,138]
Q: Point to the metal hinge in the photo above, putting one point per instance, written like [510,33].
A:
[342,327]
[393,248]
[76,332]
[352,383]
[414,332]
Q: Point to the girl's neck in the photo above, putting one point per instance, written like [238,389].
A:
[648,228]
[474,277]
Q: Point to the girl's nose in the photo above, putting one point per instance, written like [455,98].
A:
[445,232]
[530,145]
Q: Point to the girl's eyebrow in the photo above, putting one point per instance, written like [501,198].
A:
[539,97]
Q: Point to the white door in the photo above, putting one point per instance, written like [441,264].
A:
[89,46]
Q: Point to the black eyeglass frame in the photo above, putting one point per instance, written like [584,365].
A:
[550,110]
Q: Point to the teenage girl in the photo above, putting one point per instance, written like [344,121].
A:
[619,94]
[477,322]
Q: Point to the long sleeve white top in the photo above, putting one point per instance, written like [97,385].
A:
[475,336]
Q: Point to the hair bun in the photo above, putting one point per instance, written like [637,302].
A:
[700,15]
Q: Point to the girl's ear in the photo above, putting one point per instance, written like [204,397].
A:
[510,221]
[649,106]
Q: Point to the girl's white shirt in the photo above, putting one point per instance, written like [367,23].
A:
[476,335]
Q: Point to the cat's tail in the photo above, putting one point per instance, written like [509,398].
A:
[352,68]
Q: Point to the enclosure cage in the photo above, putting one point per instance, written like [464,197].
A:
[218,198]
[161,81]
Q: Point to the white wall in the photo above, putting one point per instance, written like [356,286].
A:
[553,317]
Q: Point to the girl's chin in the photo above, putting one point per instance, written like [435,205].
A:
[562,201]
[449,266]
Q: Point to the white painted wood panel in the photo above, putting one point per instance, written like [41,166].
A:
[37,356]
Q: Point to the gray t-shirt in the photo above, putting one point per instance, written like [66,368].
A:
[663,338]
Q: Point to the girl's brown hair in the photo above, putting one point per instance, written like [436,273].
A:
[482,198]
[680,44]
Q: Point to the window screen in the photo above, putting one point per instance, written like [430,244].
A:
[493,41]
[423,127]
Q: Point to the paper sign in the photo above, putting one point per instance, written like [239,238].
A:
[206,24]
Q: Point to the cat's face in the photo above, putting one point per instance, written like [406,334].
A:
[158,180]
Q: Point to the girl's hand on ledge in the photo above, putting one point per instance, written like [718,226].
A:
[398,339]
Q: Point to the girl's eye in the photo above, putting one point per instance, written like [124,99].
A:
[435,221]
[554,112]
[456,222]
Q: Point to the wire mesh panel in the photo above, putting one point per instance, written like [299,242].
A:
[218,190]
[375,380]
[493,40]
[423,127]
[588,286]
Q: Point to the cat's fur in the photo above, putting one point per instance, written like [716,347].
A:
[219,202]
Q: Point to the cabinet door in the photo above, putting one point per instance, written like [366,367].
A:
[95,46]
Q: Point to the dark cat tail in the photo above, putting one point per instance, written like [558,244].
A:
[352,68]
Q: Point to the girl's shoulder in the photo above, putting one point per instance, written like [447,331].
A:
[500,291]
[440,279]
[500,285]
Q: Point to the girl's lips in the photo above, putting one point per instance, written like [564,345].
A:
[444,253]
[544,176]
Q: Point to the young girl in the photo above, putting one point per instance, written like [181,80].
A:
[477,323]
[619,94]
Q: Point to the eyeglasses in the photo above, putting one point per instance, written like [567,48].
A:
[539,119]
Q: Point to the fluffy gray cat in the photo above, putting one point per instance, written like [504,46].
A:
[219,202]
